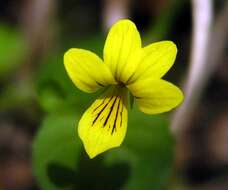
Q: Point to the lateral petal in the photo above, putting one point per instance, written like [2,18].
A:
[156,95]
[104,124]
[122,41]
[156,60]
[87,70]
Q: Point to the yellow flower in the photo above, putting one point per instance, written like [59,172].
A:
[126,67]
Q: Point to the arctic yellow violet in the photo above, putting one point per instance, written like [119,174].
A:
[126,66]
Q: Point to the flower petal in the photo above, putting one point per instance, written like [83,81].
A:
[155,95]
[156,60]
[87,70]
[104,124]
[122,41]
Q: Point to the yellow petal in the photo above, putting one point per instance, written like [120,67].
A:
[104,124]
[155,95]
[87,70]
[121,43]
[156,60]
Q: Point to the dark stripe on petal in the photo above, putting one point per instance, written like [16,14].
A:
[99,105]
[117,112]
[110,111]
[101,111]
[129,79]
[100,84]
[137,97]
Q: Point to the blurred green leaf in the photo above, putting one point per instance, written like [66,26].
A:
[55,144]
[143,161]
[12,48]
[59,163]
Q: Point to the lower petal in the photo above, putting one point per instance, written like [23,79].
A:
[104,124]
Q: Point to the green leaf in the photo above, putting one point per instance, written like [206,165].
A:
[55,152]
[143,161]
[60,163]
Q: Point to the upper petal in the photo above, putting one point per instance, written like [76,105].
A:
[155,95]
[122,41]
[156,60]
[87,70]
[104,124]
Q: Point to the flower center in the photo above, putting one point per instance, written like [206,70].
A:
[121,84]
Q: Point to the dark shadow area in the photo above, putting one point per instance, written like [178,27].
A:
[88,171]
[199,173]
[60,175]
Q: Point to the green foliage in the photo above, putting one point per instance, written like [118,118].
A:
[142,162]
[12,48]
[55,144]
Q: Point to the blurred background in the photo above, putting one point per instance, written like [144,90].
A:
[185,149]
